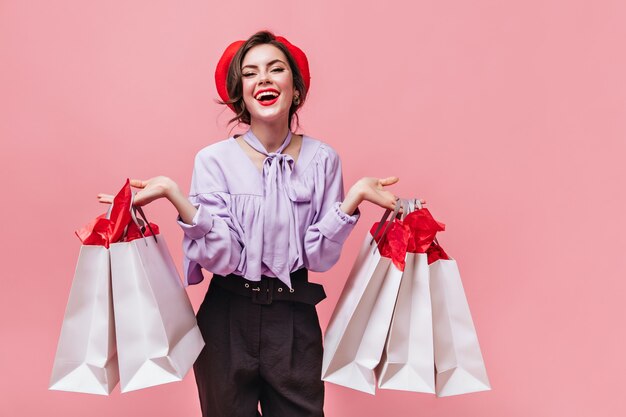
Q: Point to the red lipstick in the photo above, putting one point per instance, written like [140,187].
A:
[267,102]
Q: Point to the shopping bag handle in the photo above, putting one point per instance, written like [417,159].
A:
[413,204]
[411,207]
[108,215]
[383,220]
[407,209]
[133,210]
[137,209]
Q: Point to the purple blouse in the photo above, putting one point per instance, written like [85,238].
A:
[254,224]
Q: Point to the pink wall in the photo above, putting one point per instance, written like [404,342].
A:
[508,117]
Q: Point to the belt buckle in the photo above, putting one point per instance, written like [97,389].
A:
[263,293]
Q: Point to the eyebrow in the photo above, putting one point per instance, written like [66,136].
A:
[268,64]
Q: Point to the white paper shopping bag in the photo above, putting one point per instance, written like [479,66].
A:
[158,338]
[408,359]
[458,359]
[86,359]
[357,330]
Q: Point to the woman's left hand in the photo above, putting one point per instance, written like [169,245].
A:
[373,190]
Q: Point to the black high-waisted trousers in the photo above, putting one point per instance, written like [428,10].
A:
[258,354]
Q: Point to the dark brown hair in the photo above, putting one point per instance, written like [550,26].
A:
[234,84]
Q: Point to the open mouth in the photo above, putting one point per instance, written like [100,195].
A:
[267,97]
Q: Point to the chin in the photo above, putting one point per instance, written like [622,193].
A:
[273,116]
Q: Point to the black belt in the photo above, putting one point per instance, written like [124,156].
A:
[272,289]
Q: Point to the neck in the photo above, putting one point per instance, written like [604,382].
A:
[271,135]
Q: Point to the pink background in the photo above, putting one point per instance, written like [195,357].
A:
[509,118]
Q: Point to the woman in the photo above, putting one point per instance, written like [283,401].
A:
[264,208]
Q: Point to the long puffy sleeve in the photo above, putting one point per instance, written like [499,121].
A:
[213,240]
[323,240]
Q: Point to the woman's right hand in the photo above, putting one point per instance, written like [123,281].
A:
[155,188]
[150,190]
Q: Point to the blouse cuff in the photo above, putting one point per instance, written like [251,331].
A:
[202,223]
[336,225]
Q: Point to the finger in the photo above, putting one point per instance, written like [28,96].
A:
[144,197]
[388,180]
[392,204]
[138,198]
[105,198]
[138,201]
[386,204]
[137,183]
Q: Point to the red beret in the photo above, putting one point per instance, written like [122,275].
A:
[221,71]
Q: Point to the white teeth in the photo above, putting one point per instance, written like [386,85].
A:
[266,94]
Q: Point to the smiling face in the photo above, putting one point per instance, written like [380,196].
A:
[267,84]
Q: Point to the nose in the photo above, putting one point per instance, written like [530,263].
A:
[264,77]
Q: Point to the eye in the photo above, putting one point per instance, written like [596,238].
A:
[278,69]
[247,74]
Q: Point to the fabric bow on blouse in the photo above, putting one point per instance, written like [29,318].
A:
[279,191]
